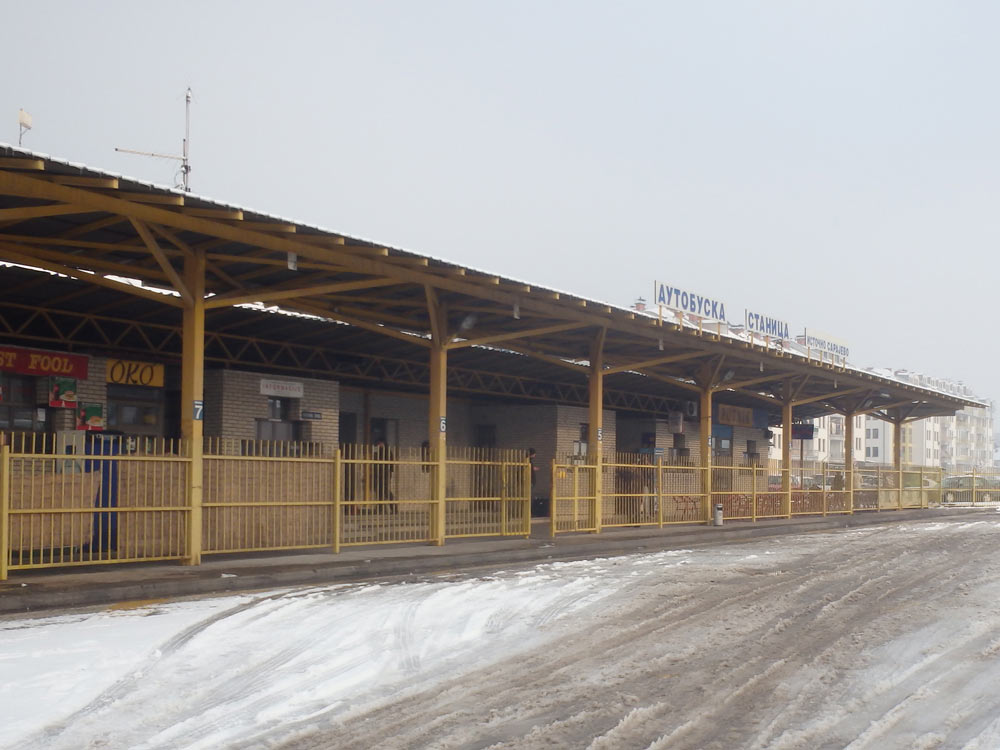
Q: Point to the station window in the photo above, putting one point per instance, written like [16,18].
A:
[278,426]
[136,410]
[17,404]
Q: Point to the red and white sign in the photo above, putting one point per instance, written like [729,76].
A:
[38,362]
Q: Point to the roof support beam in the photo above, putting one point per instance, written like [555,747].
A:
[549,358]
[826,396]
[273,295]
[161,258]
[23,213]
[754,381]
[366,325]
[90,278]
[653,362]
[515,335]
[672,381]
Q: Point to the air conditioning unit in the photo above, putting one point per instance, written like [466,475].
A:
[691,408]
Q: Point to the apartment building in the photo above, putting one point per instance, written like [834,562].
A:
[959,443]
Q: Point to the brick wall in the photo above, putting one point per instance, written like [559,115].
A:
[521,427]
[411,413]
[234,403]
[568,421]
[93,390]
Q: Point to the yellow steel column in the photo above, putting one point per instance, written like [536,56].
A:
[4,509]
[849,460]
[338,472]
[595,436]
[705,428]
[437,426]
[786,455]
[193,395]
[897,459]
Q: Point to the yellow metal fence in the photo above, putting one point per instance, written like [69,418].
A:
[114,499]
[107,499]
[640,490]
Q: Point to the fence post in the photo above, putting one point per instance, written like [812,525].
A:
[823,488]
[878,486]
[503,498]
[754,471]
[552,502]
[526,506]
[849,482]
[441,495]
[576,497]
[337,507]
[975,486]
[4,509]
[659,491]
[899,486]
[923,493]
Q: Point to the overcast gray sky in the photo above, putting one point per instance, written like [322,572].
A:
[833,164]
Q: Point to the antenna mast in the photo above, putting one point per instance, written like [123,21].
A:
[183,158]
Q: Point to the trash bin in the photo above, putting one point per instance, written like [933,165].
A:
[717,515]
[108,443]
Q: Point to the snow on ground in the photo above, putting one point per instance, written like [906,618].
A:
[881,637]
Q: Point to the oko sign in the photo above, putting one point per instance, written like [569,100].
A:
[35,362]
[125,372]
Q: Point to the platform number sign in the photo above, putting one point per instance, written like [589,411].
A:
[444,424]
[600,434]
[199,411]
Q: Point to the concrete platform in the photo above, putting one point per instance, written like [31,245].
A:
[60,588]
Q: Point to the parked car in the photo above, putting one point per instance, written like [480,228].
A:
[966,489]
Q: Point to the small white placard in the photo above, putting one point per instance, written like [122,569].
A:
[281,388]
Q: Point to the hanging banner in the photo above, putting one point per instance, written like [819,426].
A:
[124,372]
[90,417]
[62,393]
[36,362]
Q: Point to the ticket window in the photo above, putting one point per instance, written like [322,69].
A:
[136,410]
[18,409]
[278,425]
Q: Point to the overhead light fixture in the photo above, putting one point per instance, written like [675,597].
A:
[517,311]
[293,262]
[661,344]
[762,365]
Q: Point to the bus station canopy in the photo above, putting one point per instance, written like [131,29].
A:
[96,265]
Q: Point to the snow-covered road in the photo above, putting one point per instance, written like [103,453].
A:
[882,637]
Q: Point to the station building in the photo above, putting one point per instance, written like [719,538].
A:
[266,374]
